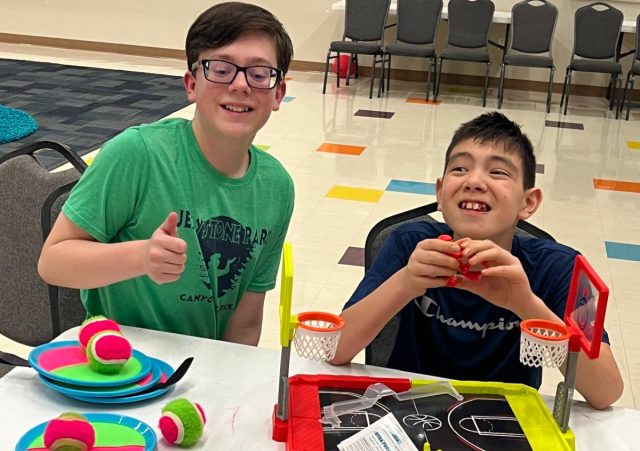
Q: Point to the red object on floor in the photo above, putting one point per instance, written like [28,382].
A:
[344,64]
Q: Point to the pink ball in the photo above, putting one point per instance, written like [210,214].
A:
[93,325]
[108,352]
[70,431]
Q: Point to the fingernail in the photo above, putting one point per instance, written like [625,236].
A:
[455,248]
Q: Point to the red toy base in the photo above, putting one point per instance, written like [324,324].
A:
[279,427]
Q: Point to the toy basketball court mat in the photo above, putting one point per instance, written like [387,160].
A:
[492,416]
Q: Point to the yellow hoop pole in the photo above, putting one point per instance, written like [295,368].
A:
[288,322]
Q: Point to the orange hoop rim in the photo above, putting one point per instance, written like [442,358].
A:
[337,322]
[527,325]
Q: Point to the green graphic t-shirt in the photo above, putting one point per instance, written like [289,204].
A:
[234,228]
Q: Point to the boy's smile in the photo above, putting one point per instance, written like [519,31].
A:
[481,194]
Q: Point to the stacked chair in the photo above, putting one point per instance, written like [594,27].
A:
[532,26]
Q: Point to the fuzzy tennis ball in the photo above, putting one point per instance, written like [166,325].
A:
[69,432]
[182,422]
[93,325]
[107,352]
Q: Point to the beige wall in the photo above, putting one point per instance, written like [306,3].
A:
[311,24]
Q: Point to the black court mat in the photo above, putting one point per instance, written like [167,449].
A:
[83,107]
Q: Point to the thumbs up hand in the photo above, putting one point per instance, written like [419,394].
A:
[165,253]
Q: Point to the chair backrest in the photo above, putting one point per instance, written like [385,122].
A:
[379,350]
[637,53]
[533,23]
[364,20]
[31,199]
[418,20]
[597,28]
[469,22]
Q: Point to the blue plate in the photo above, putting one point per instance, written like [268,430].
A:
[33,437]
[126,399]
[63,361]
[158,368]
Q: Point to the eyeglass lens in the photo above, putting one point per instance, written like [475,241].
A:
[262,77]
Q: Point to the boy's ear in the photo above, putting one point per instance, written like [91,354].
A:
[189,82]
[438,189]
[530,203]
[281,90]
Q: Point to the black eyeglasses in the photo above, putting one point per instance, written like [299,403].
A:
[220,71]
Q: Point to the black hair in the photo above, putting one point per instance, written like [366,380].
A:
[495,128]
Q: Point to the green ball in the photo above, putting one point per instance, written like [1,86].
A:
[182,422]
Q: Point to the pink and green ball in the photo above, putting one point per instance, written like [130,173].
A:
[69,432]
[93,325]
[108,352]
[182,422]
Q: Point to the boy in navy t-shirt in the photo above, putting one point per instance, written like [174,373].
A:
[453,326]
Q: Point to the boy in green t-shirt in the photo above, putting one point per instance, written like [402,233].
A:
[179,225]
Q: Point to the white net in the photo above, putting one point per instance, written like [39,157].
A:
[317,345]
[537,352]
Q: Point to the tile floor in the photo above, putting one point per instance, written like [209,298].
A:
[356,161]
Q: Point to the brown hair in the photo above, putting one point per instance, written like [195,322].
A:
[222,24]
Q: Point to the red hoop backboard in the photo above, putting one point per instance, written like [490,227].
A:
[586,307]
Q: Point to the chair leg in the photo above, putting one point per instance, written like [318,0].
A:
[373,75]
[624,93]
[388,71]
[615,96]
[349,70]
[355,60]
[429,69]
[631,94]
[437,86]
[338,70]
[550,88]
[564,87]
[568,93]
[486,85]
[382,77]
[326,72]
[501,85]
[613,81]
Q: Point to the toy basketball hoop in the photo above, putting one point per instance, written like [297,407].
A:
[546,343]
[314,334]
[543,343]
[317,335]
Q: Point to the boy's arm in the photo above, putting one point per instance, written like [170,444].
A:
[245,325]
[505,284]
[429,266]
[599,380]
[71,257]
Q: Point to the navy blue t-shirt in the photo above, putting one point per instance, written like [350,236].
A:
[452,333]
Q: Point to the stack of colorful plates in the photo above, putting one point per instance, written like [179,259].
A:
[113,432]
[63,367]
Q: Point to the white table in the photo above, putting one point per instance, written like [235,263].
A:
[628,26]
[237,387]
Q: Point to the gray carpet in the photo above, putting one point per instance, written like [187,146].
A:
[83,107]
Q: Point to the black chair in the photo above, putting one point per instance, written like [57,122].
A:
[364,25]
[532,25]
[597,29]
[32,311]
[416,34]
[633,71]
[379,350]
[468,40]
